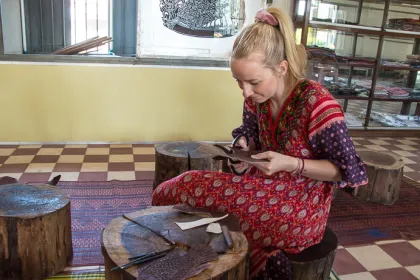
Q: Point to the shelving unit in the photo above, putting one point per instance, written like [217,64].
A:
[304,22]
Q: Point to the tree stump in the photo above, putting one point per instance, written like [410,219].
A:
[173,159]
[122,239]
[35,231]
[315,263]
[385,172]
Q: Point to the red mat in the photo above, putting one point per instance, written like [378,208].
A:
[359,222]
[94,205]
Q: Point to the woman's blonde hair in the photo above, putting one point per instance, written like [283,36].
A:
[276,43]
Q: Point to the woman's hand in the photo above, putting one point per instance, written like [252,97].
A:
[276,162]
[242,166]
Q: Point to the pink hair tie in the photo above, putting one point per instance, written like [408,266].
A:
[266,17]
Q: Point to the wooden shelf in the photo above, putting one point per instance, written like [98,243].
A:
[390,67]
[387,99]
[355,31]
[344,65]
[350,97]
[363,29]
[361,65]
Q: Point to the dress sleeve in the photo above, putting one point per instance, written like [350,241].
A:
[329,139]
[249,123]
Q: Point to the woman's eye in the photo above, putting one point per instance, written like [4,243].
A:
[254,84]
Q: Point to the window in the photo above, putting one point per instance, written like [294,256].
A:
[193,29]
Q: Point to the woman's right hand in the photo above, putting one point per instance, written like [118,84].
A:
[242,166]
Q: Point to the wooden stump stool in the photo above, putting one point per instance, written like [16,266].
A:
[172,159]
[122,239]
[385,172]
[35,231]
[315,263]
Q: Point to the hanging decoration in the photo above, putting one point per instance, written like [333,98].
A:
[204,18]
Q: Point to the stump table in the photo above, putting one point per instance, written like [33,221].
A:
[315,263]
[385,172]
[172,159]
[35,231]
[122,239]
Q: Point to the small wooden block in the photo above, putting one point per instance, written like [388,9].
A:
[35,231]
[385,172]
[171,160]
[315,263]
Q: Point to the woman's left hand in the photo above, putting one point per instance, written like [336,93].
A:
[276,162]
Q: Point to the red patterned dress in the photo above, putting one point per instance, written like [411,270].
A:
[281,211]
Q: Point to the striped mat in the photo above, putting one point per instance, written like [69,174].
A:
[99,274]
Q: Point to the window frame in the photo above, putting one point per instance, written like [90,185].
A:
[138,59]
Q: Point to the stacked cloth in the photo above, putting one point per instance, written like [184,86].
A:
[326,55]
[406,24]
[397,93]
[413,60]
[384,91]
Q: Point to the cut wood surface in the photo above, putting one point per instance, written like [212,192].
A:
[175,158]
[385,172]
[315,263]
[122,239]
[35,231]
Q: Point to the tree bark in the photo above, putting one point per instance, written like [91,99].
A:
[35,231]
[173,159]
[315,263]
[385,172]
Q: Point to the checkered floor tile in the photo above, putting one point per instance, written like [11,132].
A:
[39,163]
[36,163]
[388,260]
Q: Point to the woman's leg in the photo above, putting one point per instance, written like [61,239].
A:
[237,195]
[276,267]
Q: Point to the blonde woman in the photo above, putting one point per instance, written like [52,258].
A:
[282,204]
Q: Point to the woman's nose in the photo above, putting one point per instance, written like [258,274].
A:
[247,91]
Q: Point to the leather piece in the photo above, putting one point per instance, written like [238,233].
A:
[231,221]
[178,264]
[238,153]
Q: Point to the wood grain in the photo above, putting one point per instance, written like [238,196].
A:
[385,172]
[122,239]
[315,263]
[35,231]
[171,160]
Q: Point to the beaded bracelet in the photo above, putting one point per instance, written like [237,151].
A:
[299,168]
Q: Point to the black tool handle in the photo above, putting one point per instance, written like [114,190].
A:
[139,261]
[228,238]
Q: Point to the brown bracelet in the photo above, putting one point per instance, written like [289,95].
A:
[298,167]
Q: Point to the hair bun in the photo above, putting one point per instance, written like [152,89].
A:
[264,16]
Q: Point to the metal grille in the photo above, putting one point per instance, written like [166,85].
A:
[212,18]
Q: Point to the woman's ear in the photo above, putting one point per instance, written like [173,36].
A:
[282,68]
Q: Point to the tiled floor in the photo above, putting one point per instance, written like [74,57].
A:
[388,260]
[35,163]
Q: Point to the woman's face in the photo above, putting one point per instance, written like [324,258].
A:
[256,80]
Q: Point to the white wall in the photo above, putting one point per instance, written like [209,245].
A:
[11,23]
[154,39]
[286,5]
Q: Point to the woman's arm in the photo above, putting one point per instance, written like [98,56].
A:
[319,169]
[249,125]
[316,169]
